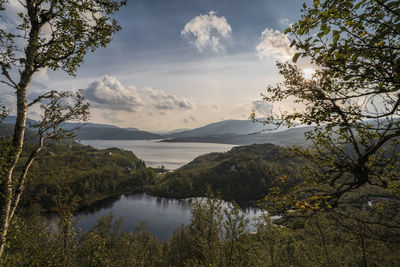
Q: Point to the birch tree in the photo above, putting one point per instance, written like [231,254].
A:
[52,34]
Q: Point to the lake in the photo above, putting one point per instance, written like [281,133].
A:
[162,215]
[155,153]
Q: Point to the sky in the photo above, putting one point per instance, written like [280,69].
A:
[178,63]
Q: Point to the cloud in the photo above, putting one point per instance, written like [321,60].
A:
[161,100]
[274,44]
[189,119]
[7,98]
[112,117]
[262,107]
[284,22]
[206,31]
[39,85]
[10,19]
[109,93]
[42,75]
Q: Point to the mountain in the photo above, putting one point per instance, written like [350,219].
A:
[289,137]
[235,127]
[89,131]
[6,130]
[66,125]
[74,125]
[238,132]
[11,120]
[133,129]
[164,133]
[98,133]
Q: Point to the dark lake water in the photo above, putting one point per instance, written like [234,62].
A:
[162,215]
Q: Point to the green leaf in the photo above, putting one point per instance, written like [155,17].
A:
[336,37]
[325,13]
[354,57]
[296,57]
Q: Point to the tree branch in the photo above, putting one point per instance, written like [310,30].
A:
[47,95]
[22,179]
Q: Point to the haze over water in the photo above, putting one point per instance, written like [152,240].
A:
[155,153]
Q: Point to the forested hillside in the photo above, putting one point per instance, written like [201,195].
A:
[244,173]
[79,175]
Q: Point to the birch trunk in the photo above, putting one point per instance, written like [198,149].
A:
[7,196]
[7,186]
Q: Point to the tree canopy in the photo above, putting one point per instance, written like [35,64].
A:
[353,99]
[49,34]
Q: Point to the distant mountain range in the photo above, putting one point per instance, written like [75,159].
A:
[96,131]
[226,127]
[289,137]
[239,132]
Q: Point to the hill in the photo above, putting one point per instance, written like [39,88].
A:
[87,131]
[238,132]
[241,174]
[77,175]
[235,127]
[98,133]
[289,137]
[67,125]
[6,130]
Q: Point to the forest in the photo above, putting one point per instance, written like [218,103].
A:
[215,236]
[243,174]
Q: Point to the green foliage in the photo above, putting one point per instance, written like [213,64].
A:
[76,27]
[57,110]
[244,173]
[352,99]
[217,235]
[76,176]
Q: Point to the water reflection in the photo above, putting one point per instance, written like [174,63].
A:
[162,215]
[106,203]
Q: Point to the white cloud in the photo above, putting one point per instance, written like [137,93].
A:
[262,107]
[42,75]
[112,117]
[284,22]
[7,98]
[10,18]
[109,93]
[206,31]
[161,100]
[275,44]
